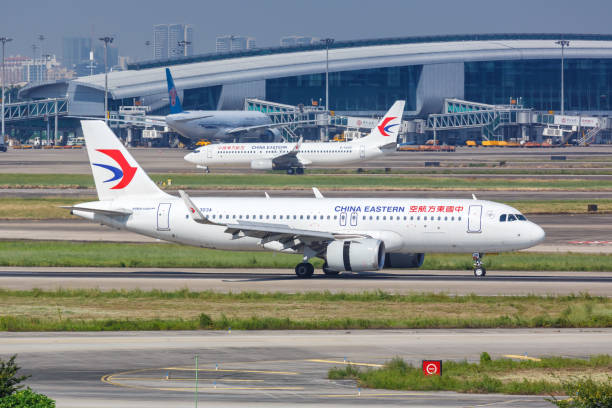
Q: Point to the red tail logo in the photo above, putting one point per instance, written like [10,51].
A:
[383,128]
[126,173]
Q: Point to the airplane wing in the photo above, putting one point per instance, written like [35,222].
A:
[267,126]
[290,238]
[291,158]
[147,121]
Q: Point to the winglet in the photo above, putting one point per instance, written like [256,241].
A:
[317,193]
[194,211]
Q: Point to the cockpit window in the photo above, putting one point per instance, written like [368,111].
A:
[520,217]
[502,218]
[511,217]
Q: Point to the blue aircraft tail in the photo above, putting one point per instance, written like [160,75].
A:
[175,101]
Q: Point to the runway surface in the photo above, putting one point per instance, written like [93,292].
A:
[496,283]
[162,160]
[591,233]
[268,368]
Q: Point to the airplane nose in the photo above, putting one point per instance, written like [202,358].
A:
[537,234]
[191,158]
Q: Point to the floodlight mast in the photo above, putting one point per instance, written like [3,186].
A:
[563,44]
[3,40]
[106,41]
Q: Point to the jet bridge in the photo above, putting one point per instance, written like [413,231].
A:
[460,114]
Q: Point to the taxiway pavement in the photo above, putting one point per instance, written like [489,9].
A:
[268,368]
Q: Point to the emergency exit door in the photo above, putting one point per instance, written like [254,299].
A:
[475,218]
[362,152]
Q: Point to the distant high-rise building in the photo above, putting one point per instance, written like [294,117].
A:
[75,50]
[172,40]
[226,43]
[293,40]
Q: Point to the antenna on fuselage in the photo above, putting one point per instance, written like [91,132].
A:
[267,196]
[317,193]
[474,196]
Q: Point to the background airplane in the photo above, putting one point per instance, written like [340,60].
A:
[349,234]
[218,125]
[293,157]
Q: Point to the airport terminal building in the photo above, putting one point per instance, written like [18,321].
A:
[366,76]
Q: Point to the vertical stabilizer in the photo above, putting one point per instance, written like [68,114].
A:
[388,128]
[175,101]
[114,170]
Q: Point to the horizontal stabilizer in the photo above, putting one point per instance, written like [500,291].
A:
[113,212]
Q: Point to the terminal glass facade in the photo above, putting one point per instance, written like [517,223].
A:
[588,83]
[360,90]
[205,98]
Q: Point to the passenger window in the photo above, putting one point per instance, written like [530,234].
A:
[412,218]
[308,217]
[439,218]
[274,217]
[502,218]
[371,218]
[363,218]
[384,217]
[458,218]
[281,217]
[418,218]
[445,218]
[405,218]
[511,217]
[261,217]
[328,217]
[377,218]
[314,217]
[295,217]
[267,217]
[301,217]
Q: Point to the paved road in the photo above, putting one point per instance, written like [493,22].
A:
[171,160]
[283,280]
[263,368]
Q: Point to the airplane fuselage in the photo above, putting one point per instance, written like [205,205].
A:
[404,225]
[213,125]
[309,153]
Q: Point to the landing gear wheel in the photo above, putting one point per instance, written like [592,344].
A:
[480,272]
[299,170]
[290,171]
[304,270]
[328,271]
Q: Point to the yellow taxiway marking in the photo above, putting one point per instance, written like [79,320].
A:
[316,360]
[380,394]
[230,370]
[181,379]
[522,357]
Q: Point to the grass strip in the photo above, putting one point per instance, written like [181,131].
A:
[339,182]
[95,310]
[505,376]
[49,208]
[103,254]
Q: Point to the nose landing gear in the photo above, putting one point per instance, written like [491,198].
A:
[479,269]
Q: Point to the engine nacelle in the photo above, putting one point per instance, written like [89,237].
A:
[262,164]
[270,136]
[356,255]
[404,260]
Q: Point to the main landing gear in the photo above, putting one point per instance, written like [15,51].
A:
[304,270]
[479,270]
[295,170]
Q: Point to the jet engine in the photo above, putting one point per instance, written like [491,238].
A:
[355,255]
[262,164]
[404,260]
[270,136]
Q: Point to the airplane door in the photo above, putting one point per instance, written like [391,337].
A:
[163,217]
[354,218]
[362,152]
[343,219]
[209,152]
[475,218]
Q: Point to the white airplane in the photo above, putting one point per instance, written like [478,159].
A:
[294,157]
[350,234]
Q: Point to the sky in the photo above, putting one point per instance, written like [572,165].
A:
[131,22]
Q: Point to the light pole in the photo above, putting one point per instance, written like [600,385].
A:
[41,38]
[3,40]
[328,42]
[183,44]
[106,40]
[563,44]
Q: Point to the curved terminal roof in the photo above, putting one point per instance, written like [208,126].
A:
[148,78]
